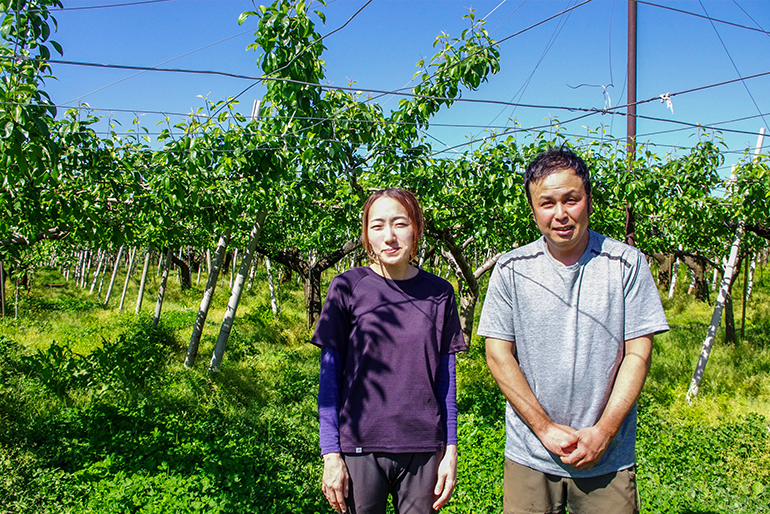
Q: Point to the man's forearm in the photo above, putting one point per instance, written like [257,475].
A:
[628,384]
[593,441]
[512,382]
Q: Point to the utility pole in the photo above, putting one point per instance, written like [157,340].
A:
[631,115]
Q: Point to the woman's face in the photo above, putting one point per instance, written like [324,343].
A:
[390,232]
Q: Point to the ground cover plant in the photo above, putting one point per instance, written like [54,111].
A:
[98,414]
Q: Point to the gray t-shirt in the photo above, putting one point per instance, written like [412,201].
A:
[569,324]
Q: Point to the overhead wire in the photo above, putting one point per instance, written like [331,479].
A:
[265,77]
[520,93]
[707,17]
[393,92]
[94,7]
[735,66]
[460,99]
[750,17]
[160,64]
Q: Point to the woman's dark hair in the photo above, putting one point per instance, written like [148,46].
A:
[411,205]
[553,160]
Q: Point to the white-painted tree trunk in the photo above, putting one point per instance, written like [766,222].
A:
[162,289]
[179,271]
[203,310]
[16,300]
[100,260]
[752,269]
[78,268]
[674,273]
[115,269]
[232,269]
[252,272]
[716,318]
[273,289]
[160,264]
[2,289]
[200,267]
[101,279]
[235,296]
[714,279]
[143,281]
[128,277]
[86,267]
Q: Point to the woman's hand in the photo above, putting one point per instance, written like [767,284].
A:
[335,481]
[447,477]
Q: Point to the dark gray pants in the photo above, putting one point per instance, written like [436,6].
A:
[409,477]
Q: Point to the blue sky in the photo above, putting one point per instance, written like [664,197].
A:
[379,48]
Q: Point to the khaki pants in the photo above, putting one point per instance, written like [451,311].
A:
[532,492]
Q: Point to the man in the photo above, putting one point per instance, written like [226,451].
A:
[569,322]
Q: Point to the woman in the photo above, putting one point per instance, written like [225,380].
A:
[386,401]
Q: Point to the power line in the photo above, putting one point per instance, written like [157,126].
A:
[374,91]
[127,4]
[161,64]
[565,11]
[520,93]
[724,46]
[706,17]
[749,16]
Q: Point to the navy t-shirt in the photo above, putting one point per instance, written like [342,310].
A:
[389,335]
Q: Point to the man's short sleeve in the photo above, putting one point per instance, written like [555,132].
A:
[496,315]
[644,310]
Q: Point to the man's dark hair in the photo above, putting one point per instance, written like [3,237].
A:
[553,160]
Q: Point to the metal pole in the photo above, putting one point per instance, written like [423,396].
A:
[631,115]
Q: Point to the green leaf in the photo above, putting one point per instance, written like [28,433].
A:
[245,15]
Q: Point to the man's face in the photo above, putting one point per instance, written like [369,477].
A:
[561,209]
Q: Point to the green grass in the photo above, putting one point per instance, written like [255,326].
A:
[107,419]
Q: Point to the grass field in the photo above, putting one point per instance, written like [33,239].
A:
[98,414]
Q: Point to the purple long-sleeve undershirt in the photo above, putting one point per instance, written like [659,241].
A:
[329,398]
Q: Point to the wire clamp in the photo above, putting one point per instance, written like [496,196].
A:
[669,104]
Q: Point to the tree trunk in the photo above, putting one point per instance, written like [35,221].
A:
[729,309]
[86,269]
[128,277]
[630,225]
[235,295]
[2,289]
[312,290]
[162,289]
[252,272]
[200,268]
[310,275]
[715,318]
[183,272]
[16,300]
[102,253]
[273,290]
[203,311]
[729,319]
[674,276]
[665,262]
[232,270]
[698,266]
[78,268]
[467,283]
[101,281]
[750,284]
[114,274]
[143,281]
